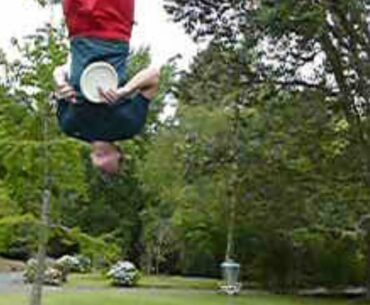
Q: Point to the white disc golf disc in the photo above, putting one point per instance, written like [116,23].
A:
[98,75]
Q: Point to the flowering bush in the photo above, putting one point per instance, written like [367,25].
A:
[78,264]
[124,274]
[53,275]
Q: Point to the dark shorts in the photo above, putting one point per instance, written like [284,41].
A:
[95,122]
[101,122]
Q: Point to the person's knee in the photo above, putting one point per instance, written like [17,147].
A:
[155,74]
[150,91]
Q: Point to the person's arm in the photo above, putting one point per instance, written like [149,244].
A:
[63,89]
[60,75]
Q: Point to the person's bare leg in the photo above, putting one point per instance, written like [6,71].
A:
[146,82]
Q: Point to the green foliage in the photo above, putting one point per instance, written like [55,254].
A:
[331,256]
[25,112]
[257,149]
[18,240]
[18,236]
[159,238]
[61,242]
[289,151]
[96,249]
[29,160]
[287,159]
[7,205]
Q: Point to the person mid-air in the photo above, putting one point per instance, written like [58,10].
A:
[100,31]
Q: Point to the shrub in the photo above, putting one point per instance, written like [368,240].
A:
[84,264]
[77,264]
[18,236]
[19,239]
[124,274]
[61,242]
[54,275]
[101,253]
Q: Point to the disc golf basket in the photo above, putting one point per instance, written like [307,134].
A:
[230,274]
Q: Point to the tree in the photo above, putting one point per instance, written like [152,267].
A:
[320,47]
[289,38]
[282,156]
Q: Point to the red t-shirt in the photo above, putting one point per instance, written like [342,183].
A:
[105,19]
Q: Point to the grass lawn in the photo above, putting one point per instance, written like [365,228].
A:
[162,297]
[94,289]
[177,282]
[174,282]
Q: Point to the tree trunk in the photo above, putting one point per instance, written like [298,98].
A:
[36,294]
[367,241]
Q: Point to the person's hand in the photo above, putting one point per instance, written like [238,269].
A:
[66,92]
[63,89]
[112,95]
